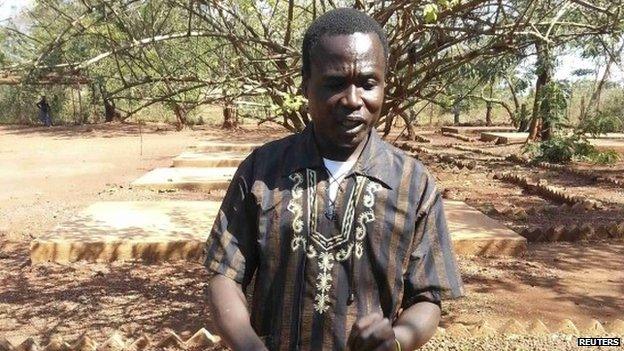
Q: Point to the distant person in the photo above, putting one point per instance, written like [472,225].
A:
[344,234]
[44,111]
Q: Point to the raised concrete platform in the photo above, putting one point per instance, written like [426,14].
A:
[609,141]
[477,129]
[186,178]
[117,231]
[505,137]
[474,233]
[212,146]
[616,145]
[607,136]
[176,230]
[209,159]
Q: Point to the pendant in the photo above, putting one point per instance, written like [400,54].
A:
[330,214]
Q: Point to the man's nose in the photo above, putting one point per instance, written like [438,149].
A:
[352,98]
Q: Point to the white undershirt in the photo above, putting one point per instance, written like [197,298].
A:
[338,171]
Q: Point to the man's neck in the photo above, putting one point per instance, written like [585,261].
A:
[338,154]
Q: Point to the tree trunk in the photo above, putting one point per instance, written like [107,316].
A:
[596,96]
[411,134]
[431,115]
[544,75]
[83,115]
[488,113]
[523,124]
[110,113]
[456,113]
[583,109]
[488,107]
[230,117]
[546,131]
[533,127]
[73,99]
[514,94]
[180,115]
[388,124]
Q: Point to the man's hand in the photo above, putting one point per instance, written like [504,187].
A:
[372,332]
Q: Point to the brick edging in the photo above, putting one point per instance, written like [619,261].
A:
[548,191]
[535,327]
[203,339]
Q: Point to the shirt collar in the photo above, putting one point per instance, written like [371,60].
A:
[374,162]
[304,153]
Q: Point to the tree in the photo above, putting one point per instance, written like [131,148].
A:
[248,51]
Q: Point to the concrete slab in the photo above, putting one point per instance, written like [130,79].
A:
[142,230]
[616,145]
[209,159]
[186,178]
[474,233]
[212,146]
[505,137]
[477,129]
[608,141]
[607,136]
[176,230]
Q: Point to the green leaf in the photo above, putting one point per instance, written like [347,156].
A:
[444,4]
[430,13]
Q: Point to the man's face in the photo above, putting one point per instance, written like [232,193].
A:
[345,90]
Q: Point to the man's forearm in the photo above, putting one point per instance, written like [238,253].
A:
[230,314]
[417,324]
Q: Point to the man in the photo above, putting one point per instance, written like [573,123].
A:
[44,111]
[345,234]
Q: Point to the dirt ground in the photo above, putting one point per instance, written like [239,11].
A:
[47,175]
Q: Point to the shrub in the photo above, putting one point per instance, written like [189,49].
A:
[564,149]
[605,157]
[601,122]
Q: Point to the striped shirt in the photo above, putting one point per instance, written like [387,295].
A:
[387,248]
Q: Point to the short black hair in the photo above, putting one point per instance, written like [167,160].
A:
[341,21]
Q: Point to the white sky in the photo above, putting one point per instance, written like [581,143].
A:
[9,8]
[568,63]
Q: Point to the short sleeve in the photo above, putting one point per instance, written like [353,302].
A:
[432,271]
[231,248]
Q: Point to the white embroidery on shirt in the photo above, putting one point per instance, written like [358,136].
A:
[296,209]
[322,247]
[323,283]
[365,217]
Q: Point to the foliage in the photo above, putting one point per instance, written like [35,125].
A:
[582,72]
[430,13]
[564,149]
[601,122]
[553,104]
[603,157]
[292,103]
[610,117]
[183,54]
[18,103]
[555,150]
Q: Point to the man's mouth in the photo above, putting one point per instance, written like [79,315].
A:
[351,123]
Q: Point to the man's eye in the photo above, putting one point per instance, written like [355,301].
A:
[369,84]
